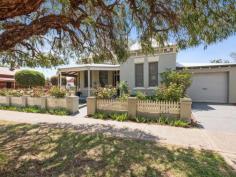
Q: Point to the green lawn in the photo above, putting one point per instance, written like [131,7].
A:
[43,150]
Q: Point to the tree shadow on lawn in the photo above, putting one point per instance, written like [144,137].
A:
[66,150]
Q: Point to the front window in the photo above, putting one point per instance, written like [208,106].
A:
[153,74]
[139,75]
[103,78]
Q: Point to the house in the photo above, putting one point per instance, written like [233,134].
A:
[90,76]
[142,72]
[7,79]
[210,82]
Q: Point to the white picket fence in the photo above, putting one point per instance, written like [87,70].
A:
[143,106]
[158,107]
[112,105]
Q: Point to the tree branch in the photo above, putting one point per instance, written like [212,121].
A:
[13,8]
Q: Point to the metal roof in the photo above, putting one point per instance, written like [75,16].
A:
[201,65]
[7,71]
[72,71]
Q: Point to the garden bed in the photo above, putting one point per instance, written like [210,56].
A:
[35,109]
[162,120]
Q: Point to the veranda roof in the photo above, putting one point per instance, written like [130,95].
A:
[72,71]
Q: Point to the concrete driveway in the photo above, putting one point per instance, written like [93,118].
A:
[219,123]
[216,117]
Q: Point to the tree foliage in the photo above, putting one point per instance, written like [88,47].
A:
[50,32]
[219,61]
[30,78]
[54,80]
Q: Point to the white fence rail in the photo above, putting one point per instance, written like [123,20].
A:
[158,107]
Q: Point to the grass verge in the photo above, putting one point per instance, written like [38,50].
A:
[47,150]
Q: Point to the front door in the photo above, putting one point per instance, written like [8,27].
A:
[8,84]
[115,78]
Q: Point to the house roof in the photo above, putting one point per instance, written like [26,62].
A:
[7,71]
[202,65]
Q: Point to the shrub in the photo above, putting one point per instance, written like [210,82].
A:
[174,122]
[57,92]
[181,78]
[100,115]
[140,95]
[36,92]
[119,116]
[124,97]
[114,116]
[171,93]
[30,78]
[54,80]
[59,112]
[10,92]
[3,92]
[105,93]
[123,87]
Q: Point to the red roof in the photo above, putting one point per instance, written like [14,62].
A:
[7,71]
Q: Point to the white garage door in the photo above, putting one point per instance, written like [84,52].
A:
[209,87]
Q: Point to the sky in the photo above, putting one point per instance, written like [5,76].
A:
[219,50]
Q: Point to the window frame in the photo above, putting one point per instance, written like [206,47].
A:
[106,78]
[136,75]
[150,84]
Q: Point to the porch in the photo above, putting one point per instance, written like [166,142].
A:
[90,76]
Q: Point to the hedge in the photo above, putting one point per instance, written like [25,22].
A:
[30,78]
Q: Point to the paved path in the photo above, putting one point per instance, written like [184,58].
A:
[198,138]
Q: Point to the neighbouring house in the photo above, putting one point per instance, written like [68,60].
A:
[7,78]
[210,82]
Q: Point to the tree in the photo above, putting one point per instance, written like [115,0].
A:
[50,32]
[233,55]
[219,61]
[54,80]
[30,78]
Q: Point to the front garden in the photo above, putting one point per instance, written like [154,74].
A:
[48,150]
[167,105]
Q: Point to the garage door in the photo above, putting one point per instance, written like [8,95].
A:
[209,87]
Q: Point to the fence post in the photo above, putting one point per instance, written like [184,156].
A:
[91,105]
[8,100]
[132,107]
[24,101]
[72,104]
[185,108]
[43,104]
